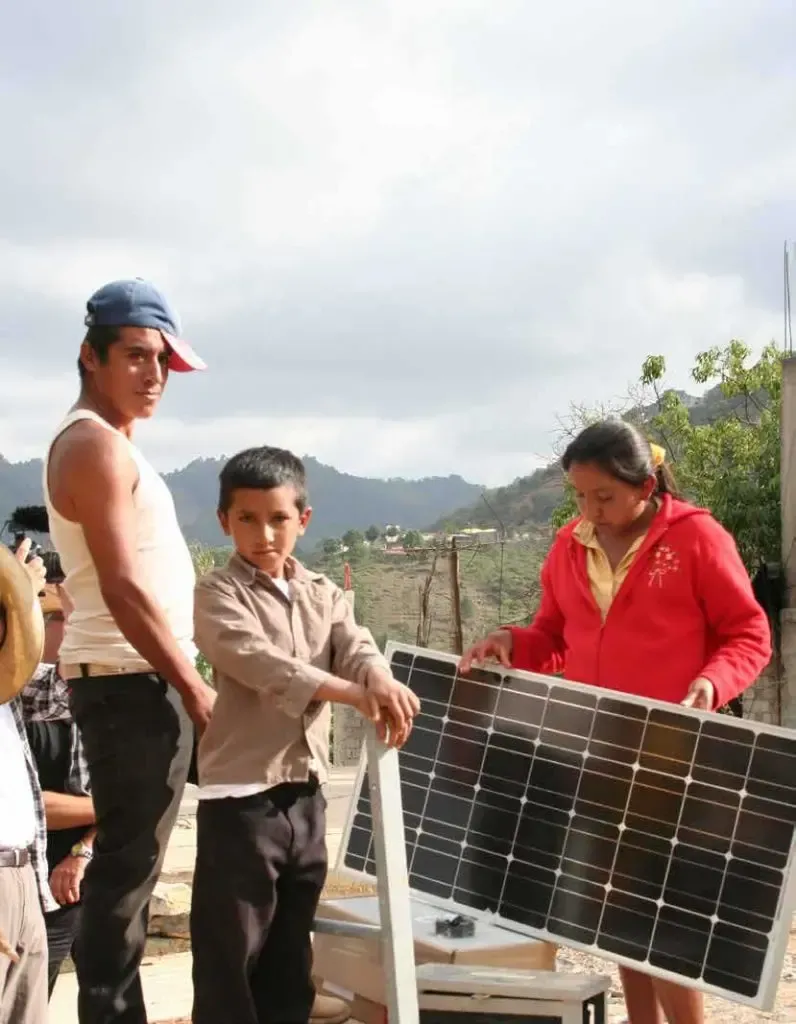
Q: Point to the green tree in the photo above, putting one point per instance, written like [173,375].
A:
[730,464]
[372,533]
[354,541]
[203,561]
[221,555]
[330,546]
[412,539]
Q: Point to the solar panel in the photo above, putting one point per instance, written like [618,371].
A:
[658,836]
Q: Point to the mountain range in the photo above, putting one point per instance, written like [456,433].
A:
[343,502]
[340,501]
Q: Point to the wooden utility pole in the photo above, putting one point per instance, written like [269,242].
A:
[456,600]
[424,619]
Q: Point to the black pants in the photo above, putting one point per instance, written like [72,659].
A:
[260,868]
[62,925]
[137,740]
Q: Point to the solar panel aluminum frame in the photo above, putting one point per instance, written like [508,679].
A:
[772,967]
[397,943]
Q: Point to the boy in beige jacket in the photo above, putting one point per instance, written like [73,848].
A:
[284,645]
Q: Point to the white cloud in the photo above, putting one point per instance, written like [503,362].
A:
[405,235]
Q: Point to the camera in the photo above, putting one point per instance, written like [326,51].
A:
[35,549]
[34,519]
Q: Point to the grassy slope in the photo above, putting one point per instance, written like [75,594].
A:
[388,590]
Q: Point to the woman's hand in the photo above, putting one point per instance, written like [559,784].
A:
[497,645]
[701,694]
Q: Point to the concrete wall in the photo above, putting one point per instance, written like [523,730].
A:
[762,702]
[788,500]
[773,698]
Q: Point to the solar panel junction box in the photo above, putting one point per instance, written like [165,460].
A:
[461,994]
[458,927]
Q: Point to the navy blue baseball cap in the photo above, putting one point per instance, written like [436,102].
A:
[138,303]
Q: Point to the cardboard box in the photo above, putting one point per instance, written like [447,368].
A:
[353,966]
[489,993]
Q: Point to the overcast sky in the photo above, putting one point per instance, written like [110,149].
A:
[404,235]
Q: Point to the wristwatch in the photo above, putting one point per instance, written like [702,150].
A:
[82,850]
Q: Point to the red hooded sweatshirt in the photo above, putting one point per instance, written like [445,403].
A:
[685,609]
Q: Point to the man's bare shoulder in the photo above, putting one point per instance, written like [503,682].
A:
[87,461]
[88,444]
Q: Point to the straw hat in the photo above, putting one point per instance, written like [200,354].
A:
[21,650]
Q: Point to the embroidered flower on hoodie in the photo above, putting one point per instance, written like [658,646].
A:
[664,561]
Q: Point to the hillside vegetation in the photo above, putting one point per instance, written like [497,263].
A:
[498,583]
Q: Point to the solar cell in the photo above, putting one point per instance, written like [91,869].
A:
[658,836]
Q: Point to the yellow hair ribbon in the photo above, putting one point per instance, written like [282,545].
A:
[658,455]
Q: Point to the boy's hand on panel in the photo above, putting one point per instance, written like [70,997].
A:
[390,705]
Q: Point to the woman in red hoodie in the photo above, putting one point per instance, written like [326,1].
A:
[645,594]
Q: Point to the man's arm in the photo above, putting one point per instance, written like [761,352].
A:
[65,810]
[97,478]
[67,876]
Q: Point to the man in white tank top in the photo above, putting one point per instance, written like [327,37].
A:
[127,650]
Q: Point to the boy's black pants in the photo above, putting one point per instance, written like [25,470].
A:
[260,868]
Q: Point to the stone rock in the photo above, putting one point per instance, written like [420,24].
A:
[169,910]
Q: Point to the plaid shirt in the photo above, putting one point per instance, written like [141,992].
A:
[39,850]
[46,699]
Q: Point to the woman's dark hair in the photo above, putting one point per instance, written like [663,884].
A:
[621,451]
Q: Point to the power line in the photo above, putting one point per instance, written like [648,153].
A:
[502,554]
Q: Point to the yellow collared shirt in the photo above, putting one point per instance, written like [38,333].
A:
[603,580]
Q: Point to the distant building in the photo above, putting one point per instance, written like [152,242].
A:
[477,535]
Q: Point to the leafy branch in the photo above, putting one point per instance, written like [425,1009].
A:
[728,462]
